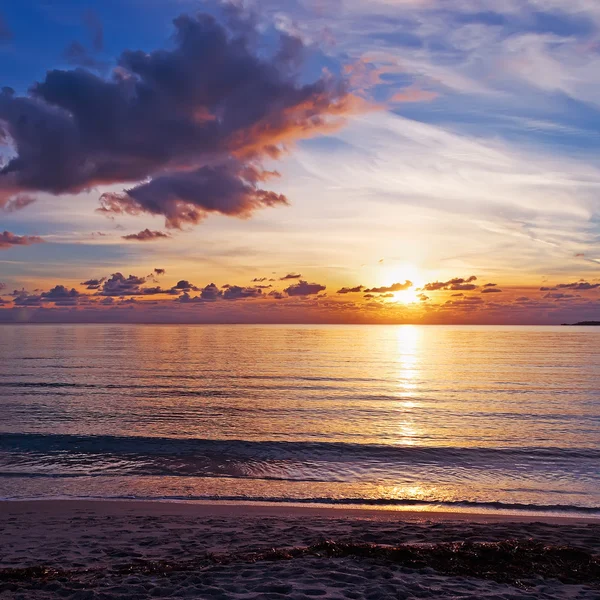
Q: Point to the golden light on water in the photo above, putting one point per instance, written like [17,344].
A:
[407,360]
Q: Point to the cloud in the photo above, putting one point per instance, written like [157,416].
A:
[290,276]
[193,123]
[2,286]
[559,295]
[60,292]
[230,189]
[184,286]
[77,54]
[347,290]
[61,296]
[413,94]
[119,285]
[8,240]
[456,284]
[159,271]
[395,287]
[488,285]
[25,299]
[577,285]
[93,284]
[17,202]
[490,290]
[303,288]
[146,236]
[211,292]
[235,292]
[259,279]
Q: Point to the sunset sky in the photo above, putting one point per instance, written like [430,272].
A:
[305,161]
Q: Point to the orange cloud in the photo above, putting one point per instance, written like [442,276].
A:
[413,94]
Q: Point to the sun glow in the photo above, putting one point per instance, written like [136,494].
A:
[407,296]
[400,274]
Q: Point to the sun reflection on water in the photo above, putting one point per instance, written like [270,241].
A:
[407,372]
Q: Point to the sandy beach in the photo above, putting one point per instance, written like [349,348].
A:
[122,549]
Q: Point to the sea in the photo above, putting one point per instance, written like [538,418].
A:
[465,418]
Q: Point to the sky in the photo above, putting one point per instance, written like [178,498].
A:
[304,161]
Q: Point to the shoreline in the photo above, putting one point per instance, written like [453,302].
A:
[236,509]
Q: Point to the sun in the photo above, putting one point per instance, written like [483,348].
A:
[409,296]
[400,274]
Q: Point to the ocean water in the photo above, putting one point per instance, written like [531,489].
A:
[472,418]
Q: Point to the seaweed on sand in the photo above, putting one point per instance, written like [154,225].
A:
[509,561]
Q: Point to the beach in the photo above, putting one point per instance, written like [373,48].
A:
[83,549]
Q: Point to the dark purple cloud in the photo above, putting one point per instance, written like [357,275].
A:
[119,285]
[560,295]
[146,236]
[152,291]
[303,288]
[488,285]
[211,292]
[490,290]
[159,271]
[93,284]
[194,121]
[231,189]
[395,287]
[347,290]
[8,240]
[456,284]
[60,292]
[235,292]
[259,279]
[183,286]
[25,299]
[577,285]
[290,276]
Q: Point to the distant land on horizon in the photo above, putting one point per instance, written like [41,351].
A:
[584,323]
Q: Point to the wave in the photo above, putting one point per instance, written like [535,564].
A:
[273,448]
[138,445]
[304,461]
[377,502]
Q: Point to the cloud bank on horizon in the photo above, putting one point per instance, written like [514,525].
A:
[448,137]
